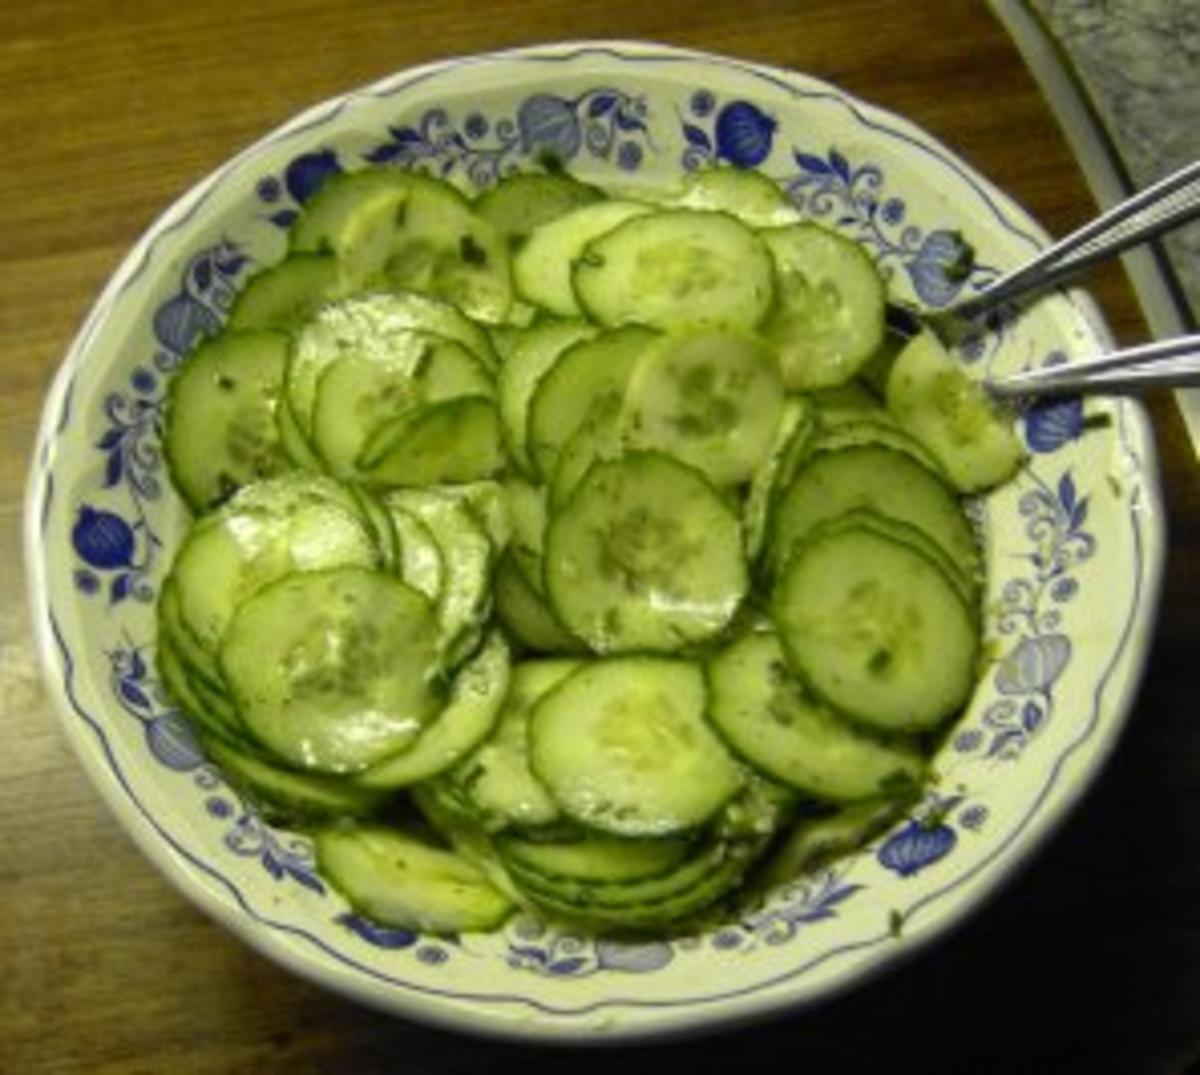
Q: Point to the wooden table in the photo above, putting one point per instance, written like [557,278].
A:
[108,111]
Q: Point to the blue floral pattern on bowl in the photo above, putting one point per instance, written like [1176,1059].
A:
[1052,538]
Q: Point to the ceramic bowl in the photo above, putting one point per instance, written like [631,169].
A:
[1074,544]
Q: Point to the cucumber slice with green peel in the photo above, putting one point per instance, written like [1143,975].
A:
[529,513]
[794,434]
[543,265]
[857,433]
[578,382]
[351,217]
[876,629]
[471,711]
[466,555]
[596,859]
[285,795]
[750,196]
[220,431]
[378,521]
[880,479]
[294,443]
[828,320]
[487,501]
[200,663]
[441,247]
[934,400]
[420,563]
[496,779]
[220,720]
[623,748]
[286,295]
[849,402]
[334,670]
[525,615]
[519,203]
[400,881]
[645,556]
[455,441]
[674,269]
[769,720]
[711,398]
[597,439]
[299,522]
[533,353]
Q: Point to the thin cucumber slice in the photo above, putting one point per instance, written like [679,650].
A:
[200,663]
[496,779]
[676,269]
[934,400]
[470,713]
[455,441]
[711,398]
[623,747]
[221,720]
[876,629]
[578,382]
[750,196]
[829,318]
[880,479]
[352,217]
[333,670]
[220,431]
[420,564]
[849,402]
[855,433]
[519,203]
[467,556]
[526,616]
[771,721]
[535,352]
[645,556]
[298,522]
[400,881]
[542,266]
[378,521]
[529,514]
[294,443]
[287,796]
[286,295]
[797,424]
[597,439]
[596,859]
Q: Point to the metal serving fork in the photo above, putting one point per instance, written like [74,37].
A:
[1169,363]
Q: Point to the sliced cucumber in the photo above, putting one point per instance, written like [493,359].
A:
[595,859]
[622,746]
[519,203]
[952,417]
[293,442]
[876,629]
[219,720]
[829,318]
[597,439]
[526,616]
[771,721]
[794,434]
[496,780]
[855,433]
[352,217]
[877,478]
[529,514]
[645,556]
[333,670]
[220,430]
[400,881]
[455,441]
[580,380]
[675,269]
[711,398]
[199,663]
[378,521]
[420,563]
[286,295]
[750,196]
[536,350]
[470,713]
[542,266]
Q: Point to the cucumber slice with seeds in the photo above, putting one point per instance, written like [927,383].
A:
[333,670]
[288,294]
[794,434]
[420,562]
[526,616]
[876,629]
[455,441]
[623,747]
[520,203]
[595,860]
[676,269]
[771,721]
[645,556]
[750,196]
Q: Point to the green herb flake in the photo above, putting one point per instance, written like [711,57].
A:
[895,924]
[471,252]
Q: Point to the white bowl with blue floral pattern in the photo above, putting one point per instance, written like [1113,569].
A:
[1074,544]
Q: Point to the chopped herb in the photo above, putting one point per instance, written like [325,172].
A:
[471,252]
[880,661]
[895,923]
[551,162]
[960,268]
[1097,421]
[225,383]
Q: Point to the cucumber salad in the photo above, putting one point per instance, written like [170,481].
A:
[596,555]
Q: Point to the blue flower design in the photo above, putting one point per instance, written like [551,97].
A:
[633,958]
[1050,425]
[172,742]
[942,264]
[103,539]
[306,174]
[143,381]
[744,133]
[702,103]
[549,124]
[1034,665]
[269,189]
[380,936]
[431,955]
[973,817]
[893,211]
[916,846]
[629,156]
[476,126]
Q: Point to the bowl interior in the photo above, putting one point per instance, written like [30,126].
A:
[1073,545]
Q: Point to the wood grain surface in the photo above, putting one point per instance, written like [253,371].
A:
[108,110]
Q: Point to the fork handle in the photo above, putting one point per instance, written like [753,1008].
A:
[1161,206]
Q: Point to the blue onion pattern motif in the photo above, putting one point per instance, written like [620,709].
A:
[917,845]
[306,174]
[1053,424]
[207,288]
[941,265]
[744,133]
[548,124]
[380,936]
[103,539]
[171,741]
[1034,665]
[633,958]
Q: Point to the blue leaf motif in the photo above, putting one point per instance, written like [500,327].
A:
[306,878]
[600,104]
[389,151]
[119,589]
[137,665]
[547,122]
[114,467]
[1031,716]
[530,952]
[916,846]
[284,218]
[135,696]
[271,865]
[110,439]
[1034,665]
[381,936]
[1080,514]
[306,174]
[405,136]
[840,166]
[837,895]
[744,134]
[628,122]
[1066,492]
[812,164]
[202,274]
[103,539]
[1048,426]
[567,966]
[633,958]
[697,137]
